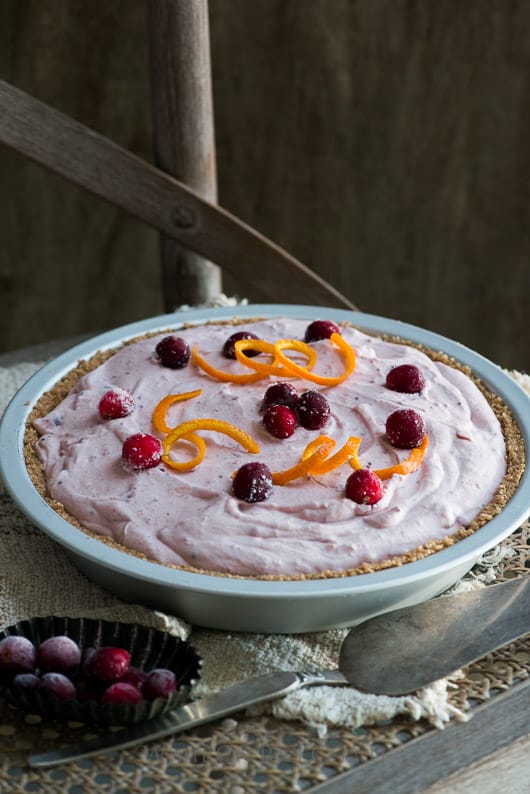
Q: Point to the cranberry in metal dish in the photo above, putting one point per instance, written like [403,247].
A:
[107,663]
[364,487]
[115,404]
[405,378]
[27,682]
[159,684]
[58,686]
[173,352]
[313,410]
[120,693]
[253,482]
[17,655]
[281,394]
[141,451]
[229,345]
[320,329]
[58,654]
[405,428]
[279,421]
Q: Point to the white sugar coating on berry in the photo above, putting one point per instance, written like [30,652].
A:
[193,519]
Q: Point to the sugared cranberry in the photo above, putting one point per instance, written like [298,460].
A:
[173,352]
[253,482]
[58,686]
[17,655]
[141,451]
[364,487]
[115,404]
[281,394]
[229,345]
[313,410]
[279,421]
[159,684]
[107,663]
[320,329]
[405,428]
[405,378]
[26,682]
[58,655]
[134,676]
[120,693]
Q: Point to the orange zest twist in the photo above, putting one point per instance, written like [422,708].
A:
[193,438]
[218,374]
[186,430]
[159,414]
[407,466]
[266,347]
[347,353]
[313,461]
[347,452]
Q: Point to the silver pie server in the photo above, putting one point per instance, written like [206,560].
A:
[392,654]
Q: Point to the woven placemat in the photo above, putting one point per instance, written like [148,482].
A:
[258,754]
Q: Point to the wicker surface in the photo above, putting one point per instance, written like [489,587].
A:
[247,754]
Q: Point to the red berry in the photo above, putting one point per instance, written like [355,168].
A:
[320,329]
[364,487]
[405,429]
[17,655]
[58,655]
[173,352]
[313,410]
[253,482]
[159,684]
[279,421]
[27,682]
[107,663]
[281,394]
[115,404]
[58,686]
[229,345]
[134,676]
[141,451]
[120,693]
[405,378]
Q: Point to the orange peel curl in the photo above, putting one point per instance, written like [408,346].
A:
[160,411]
[346,351]
[346,453]
[219,374]
[313,461]
[407,466]
[275,368]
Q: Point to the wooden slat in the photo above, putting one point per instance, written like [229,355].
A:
[183,133]
[436,755]
[92,161]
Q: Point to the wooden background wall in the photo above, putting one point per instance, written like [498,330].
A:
[383,142]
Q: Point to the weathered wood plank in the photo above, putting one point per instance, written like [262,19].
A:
[91,160]
[436,755]
[386,144]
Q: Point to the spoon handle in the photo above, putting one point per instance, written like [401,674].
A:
[199,712]
[406,649]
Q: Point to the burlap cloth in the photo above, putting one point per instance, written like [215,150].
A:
[38,579]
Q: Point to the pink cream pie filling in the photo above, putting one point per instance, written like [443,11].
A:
[309,526]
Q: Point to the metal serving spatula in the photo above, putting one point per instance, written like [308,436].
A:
[392,654]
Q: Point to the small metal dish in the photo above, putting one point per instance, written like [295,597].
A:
[149,649]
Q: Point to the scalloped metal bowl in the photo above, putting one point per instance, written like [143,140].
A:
[149,649]
[246,604]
